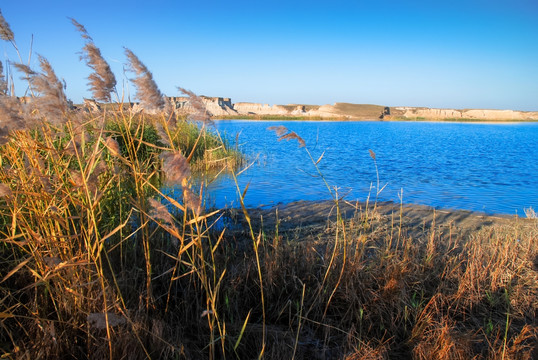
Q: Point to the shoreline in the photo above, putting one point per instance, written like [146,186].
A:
[416,218]
[433,120]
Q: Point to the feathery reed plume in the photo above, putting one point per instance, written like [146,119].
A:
[3,83]
[11,115]
[192,201]
[293,135]
[5,31]
[81,29]
[5,191]
[175,167]
[372,154]
[102,81]
[147,91]
[30,74]
[77,178]
[159,212]
[99,320]
[112,145]
[197,104]
[52,102]
[279,130]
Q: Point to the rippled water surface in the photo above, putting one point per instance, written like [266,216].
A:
[483,167]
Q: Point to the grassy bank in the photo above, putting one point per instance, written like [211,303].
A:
[98,260]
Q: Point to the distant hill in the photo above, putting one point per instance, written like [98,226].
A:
[223,107]
[359,111]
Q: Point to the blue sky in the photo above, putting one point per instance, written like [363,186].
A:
[453,54]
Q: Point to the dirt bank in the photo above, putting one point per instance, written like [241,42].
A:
[416,220]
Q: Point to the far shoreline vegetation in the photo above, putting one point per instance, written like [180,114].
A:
[108,251]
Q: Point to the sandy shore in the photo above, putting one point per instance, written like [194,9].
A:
[416,220]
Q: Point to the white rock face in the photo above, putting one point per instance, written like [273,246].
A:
[215,106]
[244,108]
[218,106]
[477,114]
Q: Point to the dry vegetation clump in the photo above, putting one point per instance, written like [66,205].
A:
[369,293]
[107,251]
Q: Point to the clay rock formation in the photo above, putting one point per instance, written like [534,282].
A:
[245,108]
[474,114]
[219,106]
[215,106]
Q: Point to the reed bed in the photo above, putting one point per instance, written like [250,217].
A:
[99,260]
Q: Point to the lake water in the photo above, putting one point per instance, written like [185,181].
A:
[483,167]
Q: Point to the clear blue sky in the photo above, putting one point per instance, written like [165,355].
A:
[452,54]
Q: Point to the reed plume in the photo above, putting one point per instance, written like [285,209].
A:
[283,134]
[200,111]
[10,110]
[81,29]
[51,102]
[102,320]
[11,115]
[5,31]
[113,146]
[280,130]
[5,191]
[175,167]
[159,212]
[293,135]
[102,81]
[192,201]
[147,91]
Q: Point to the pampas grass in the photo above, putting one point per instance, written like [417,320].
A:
[147,90]
[200,112]
[102,81]
[5,30]
[284,134]
[51,102]
[176,168]
[5,191]
[113,146]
